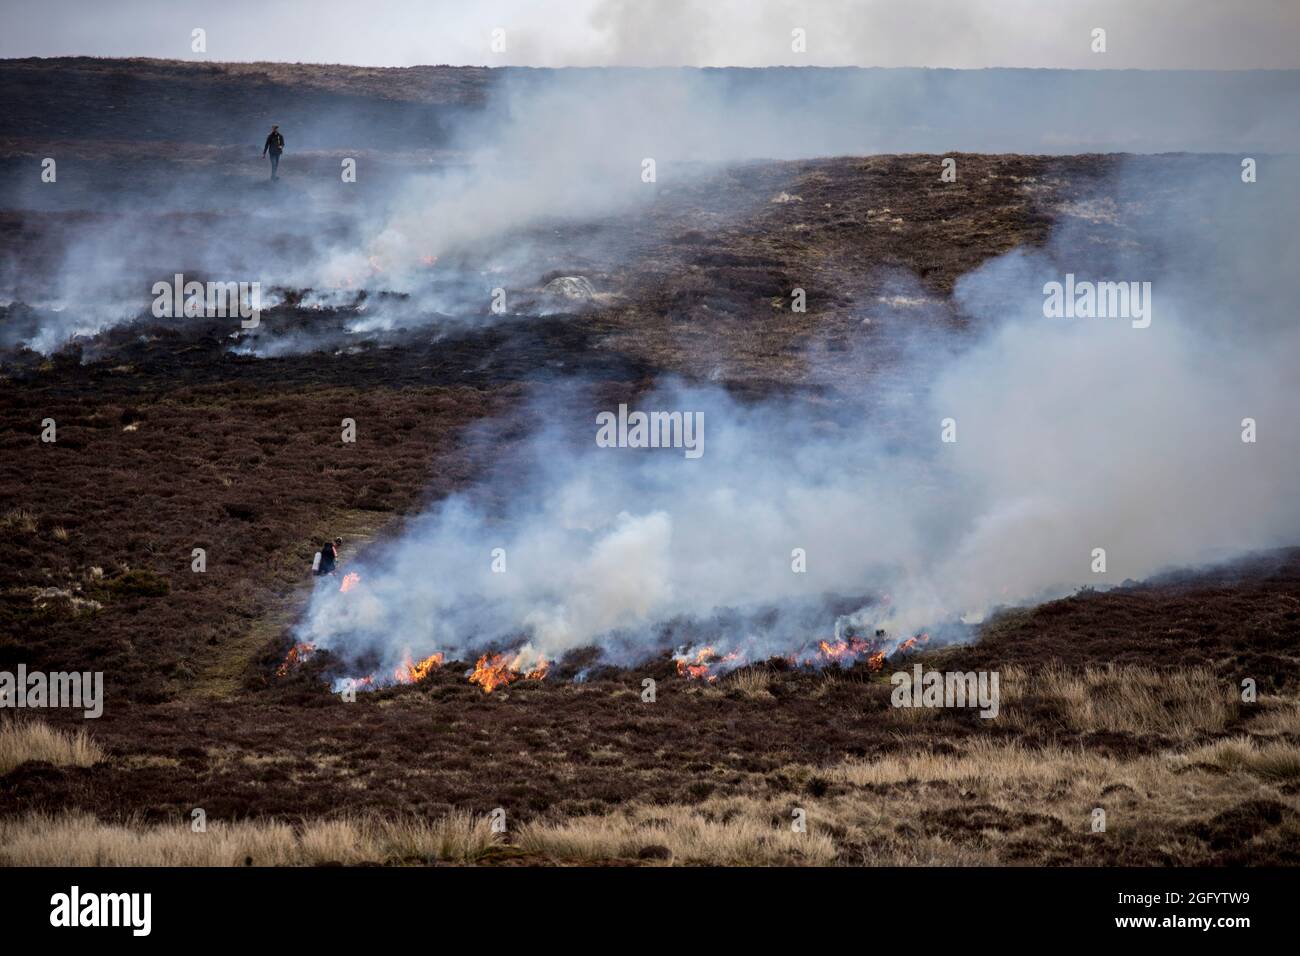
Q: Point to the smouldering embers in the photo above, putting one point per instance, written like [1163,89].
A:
[489,672]
[707,664]
[409,671]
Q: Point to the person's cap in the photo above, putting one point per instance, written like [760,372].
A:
[275,126]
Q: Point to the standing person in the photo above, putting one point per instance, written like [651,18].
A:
[329,556]
[275,146]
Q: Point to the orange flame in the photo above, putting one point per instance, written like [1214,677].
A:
[409,673]
[296,656]
[350,580]
[695,667]
[497,670]
[853,648]
[492,671]
[846,651]
[700,665]
[911,642]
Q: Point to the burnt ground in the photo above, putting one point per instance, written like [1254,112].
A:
[168,442]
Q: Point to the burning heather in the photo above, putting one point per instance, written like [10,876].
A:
[874,651]
[930,520]
[954,499]
[298,655]
[497,670]
[703,663]
[675,466]
[706,663]
[409,673]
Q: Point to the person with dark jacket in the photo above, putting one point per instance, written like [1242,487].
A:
[275,146]
[329,556]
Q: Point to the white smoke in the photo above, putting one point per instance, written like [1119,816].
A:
[1072,435]
[553,148]
[1174,34]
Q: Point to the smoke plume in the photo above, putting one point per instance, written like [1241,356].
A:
[1071,435]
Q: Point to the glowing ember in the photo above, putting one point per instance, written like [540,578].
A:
[409,673]
[497,670]
[350,580]
[297,655]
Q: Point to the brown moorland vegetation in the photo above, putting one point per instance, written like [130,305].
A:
[1127,700]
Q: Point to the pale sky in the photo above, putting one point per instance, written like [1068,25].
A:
[1140,34]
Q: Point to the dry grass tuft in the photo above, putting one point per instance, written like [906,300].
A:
[460,837]
[984,763]
[335,841]
[77,839]
[1122,699]
[750,682]
[741,833]
[23,741]
[18,520]
[1276,716]
[1276,762]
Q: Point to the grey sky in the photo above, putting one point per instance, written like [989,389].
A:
[1140,34]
